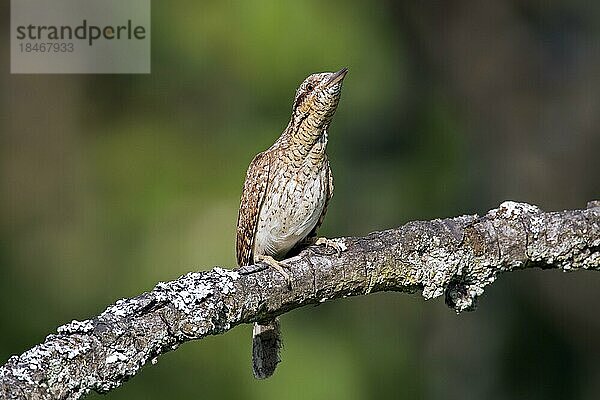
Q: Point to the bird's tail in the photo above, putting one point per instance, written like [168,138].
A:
[266,343]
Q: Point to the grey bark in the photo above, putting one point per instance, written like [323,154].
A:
[456,257]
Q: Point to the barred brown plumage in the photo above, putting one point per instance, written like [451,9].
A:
[285,195]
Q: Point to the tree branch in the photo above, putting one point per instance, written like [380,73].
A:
[457,257]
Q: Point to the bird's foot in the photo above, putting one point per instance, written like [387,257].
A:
[336,244]
[273,263]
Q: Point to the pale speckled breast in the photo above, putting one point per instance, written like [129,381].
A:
[292,206]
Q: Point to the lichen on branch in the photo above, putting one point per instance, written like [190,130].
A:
[456,257]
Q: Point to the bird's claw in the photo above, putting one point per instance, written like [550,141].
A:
[273,263]
[331,243]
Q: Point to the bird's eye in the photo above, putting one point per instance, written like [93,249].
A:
[310,87]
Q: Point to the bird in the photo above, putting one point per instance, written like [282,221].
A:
[285,197]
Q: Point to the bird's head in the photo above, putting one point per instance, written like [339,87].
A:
[317,99]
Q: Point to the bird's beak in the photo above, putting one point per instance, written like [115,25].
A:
[337,77]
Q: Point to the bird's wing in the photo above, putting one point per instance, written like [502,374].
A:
[253,194]
[329,195]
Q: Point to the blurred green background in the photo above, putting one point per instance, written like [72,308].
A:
[110,183]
